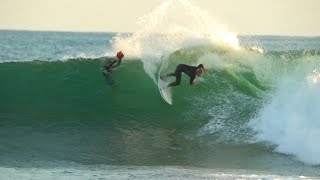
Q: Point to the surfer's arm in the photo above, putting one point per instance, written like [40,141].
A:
[192,81]
[203,69]
[111,65]
[114,63]
[108,65]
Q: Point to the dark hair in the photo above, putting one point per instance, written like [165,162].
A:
[200,66]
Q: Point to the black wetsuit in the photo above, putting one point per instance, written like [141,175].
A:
[107,68]
[115,61]
[191,71]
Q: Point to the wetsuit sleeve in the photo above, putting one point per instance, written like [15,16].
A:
[107,66]
[119,62]
[115,61]
[192,79]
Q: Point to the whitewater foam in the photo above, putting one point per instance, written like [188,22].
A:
[291,118]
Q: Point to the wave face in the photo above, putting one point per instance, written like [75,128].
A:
[248,97]
[257,109]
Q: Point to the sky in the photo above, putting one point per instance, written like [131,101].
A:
[251,17]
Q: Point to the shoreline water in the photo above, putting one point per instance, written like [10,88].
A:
[139,172]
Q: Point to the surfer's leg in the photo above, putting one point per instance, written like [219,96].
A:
[107,73]
[177,72]
[177,82]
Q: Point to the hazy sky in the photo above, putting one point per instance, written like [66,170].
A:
[273,17]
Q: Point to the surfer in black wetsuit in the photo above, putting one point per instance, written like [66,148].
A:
[112,64]
[191,71]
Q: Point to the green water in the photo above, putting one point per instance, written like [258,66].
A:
[66,111]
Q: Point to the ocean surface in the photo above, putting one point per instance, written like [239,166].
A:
[255,116]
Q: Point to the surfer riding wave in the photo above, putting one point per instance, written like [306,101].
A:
[191,71]
[112,64]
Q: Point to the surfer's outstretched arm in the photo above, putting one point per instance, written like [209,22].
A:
[203,69]
[117,62]
[192,81]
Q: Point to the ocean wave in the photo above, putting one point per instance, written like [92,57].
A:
[243,100]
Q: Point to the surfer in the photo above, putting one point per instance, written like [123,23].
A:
[191,71]
[112,64]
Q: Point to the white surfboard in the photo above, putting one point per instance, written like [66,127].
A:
[164,93]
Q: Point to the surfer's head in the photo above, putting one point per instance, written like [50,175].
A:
[199,72]
[120,55]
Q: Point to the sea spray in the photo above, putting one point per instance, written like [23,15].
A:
[173,25]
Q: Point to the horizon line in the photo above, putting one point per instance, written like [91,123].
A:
[124,32]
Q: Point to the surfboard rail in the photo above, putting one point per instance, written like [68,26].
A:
[165,94]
